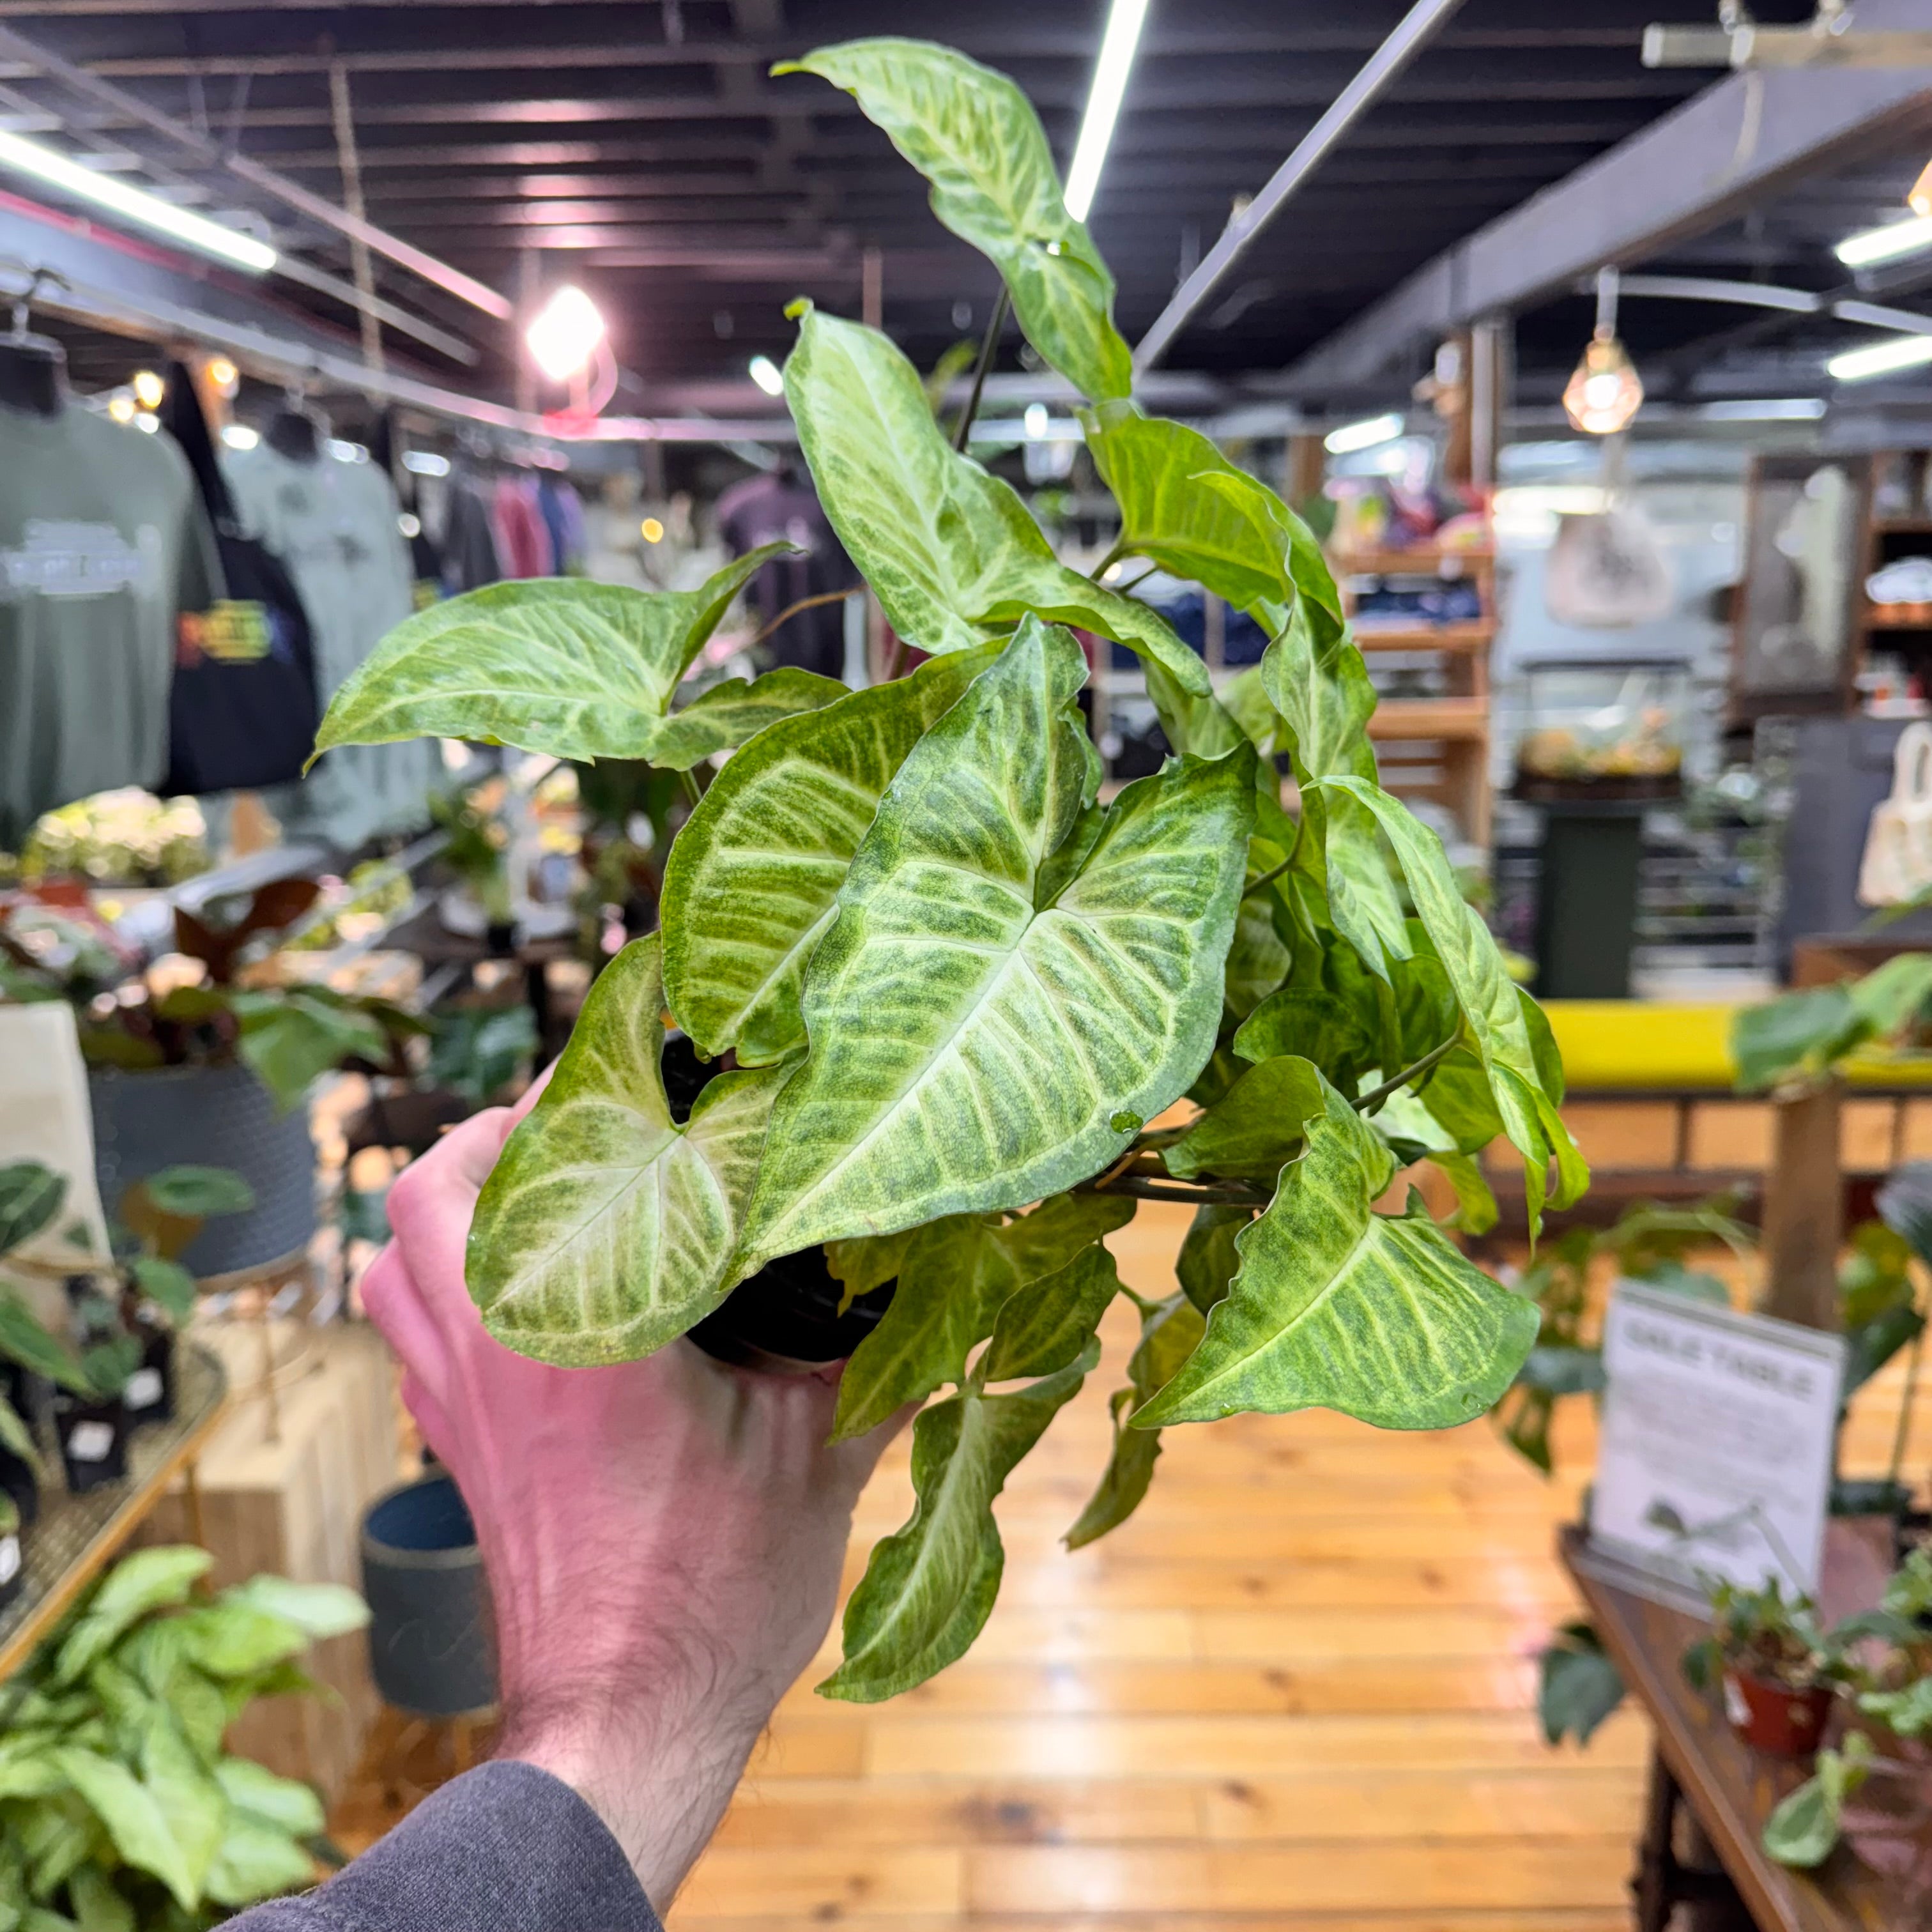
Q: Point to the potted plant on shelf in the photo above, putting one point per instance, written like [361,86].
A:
[120,1807]
[1778,1670]
[942,987]
[214,1070]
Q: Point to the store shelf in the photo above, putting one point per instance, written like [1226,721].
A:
[77,1537]
[1463,718]
[1427,637]
[1425,562]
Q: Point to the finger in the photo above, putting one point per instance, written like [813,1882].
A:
[531,1094]
[394,1303]
[432,1420]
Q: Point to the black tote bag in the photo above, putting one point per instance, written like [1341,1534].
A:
[242,711]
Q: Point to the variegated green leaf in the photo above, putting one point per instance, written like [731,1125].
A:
[1170,1332]
[930,1586]
[605,1229]
[749,885]
[952,552]
[973,1049]
[1404,1117]
[1047,1325]
[1336,1306]
[1314,1023]
[975,136]
[731,713]
[1208,1259]
[585,670]
[1254,1127]
[955,1274]
[1492,1008]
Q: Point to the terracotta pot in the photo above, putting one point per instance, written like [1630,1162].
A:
[1774,1718]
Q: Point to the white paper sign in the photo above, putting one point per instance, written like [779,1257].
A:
[1715,1451]
[10,1558]
[143,1389]
[90,1441]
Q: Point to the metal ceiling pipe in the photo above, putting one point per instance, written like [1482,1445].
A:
[1418,27]
[452,281]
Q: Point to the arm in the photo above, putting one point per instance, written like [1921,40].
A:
[664,1539]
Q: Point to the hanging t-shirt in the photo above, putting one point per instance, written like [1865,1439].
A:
[784,507]
[103,545]
[335,525]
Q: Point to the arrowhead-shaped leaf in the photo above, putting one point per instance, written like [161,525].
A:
[975,136]
[1492,1008]
[1315,1025]
[952,552]
[954,1275]
[30,1197]
[1170,1332]
[604,1230]
[735,712]
[929,1587]
[134,1821]
[1046,1326]
[585,670]
[973,1049]
[1255,1127]
[1208,1259]
[749,885]
[1336,1306]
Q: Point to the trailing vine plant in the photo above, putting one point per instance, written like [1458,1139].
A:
[952,986]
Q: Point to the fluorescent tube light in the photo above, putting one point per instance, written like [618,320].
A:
[1124,20]
[110,191]
[765,373]
[1886,244]
[1364,435]
[239,435]
[1881,359]
[425,462]
[1765,409]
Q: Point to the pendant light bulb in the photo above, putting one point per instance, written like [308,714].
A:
[1605,391]
[1920,199]
[565,334]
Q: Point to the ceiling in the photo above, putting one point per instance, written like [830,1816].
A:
[639,147]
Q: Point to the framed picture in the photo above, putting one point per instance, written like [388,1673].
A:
[1795,643]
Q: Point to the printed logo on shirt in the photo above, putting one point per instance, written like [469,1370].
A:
[230,633]
[75,560]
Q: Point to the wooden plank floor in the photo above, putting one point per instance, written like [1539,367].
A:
[1296,1691]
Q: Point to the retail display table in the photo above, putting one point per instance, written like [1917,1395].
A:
[1728,1788]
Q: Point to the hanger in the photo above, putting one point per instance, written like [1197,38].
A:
[33,368]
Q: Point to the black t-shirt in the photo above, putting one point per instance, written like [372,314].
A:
[784,508]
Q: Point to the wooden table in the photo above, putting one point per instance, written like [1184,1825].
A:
[1729,1789]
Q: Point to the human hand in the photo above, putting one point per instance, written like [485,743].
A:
[663,1538]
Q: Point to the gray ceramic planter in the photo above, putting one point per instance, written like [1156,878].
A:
[431,1648]
[210,1116]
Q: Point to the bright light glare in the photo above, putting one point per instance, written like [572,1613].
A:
[1124,20]
[223,374]
[651,530]
[347,452]
[109,191]
[239,435]
[565,334]
[425,462]
[765,373]
[1920,199]
[148,389]
[1885,244]
[1364,435]
[120,406]
[1766,409]
[1036,420]
[1881,359]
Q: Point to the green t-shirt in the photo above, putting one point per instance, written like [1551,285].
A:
[104,544]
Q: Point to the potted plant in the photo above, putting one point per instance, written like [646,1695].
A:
[113,1739]
[213,1070]
[1778,1670]
[944,989]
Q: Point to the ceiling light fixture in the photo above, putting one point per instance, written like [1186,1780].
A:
[1920,199]
[1889,242]
[1880,358]
[1125,19]
[148,389]
[565,334]
[1363,435]
[239,435]
[1605,391]
[110,191]
[765,372]
[1037,421]
[225,377]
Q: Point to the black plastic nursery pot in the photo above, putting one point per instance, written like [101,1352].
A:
[431,1650]
[26,1396]
[150,1394]
[93,1440]
[785,1319]
[13,1566]
[209,1117]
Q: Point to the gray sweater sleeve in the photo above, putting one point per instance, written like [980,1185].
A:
[504,1848]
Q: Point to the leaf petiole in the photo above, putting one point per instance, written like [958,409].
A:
[1368,1103]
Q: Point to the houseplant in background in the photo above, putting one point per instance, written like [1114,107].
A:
[955,987]
[120,1811]
[1778,1670]
[204,1056]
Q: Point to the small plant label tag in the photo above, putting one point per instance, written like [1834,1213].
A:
[144,1389]
[10,1558]
[1735,1708]
[90,1441]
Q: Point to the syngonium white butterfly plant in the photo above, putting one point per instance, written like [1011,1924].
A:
[952,986]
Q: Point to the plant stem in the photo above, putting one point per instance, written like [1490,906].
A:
[1155,1190]
[1369,1102]
[1268,877]
[989,347]
[804,604]
[692,795]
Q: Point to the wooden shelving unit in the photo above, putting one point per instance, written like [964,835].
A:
[1436,747]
